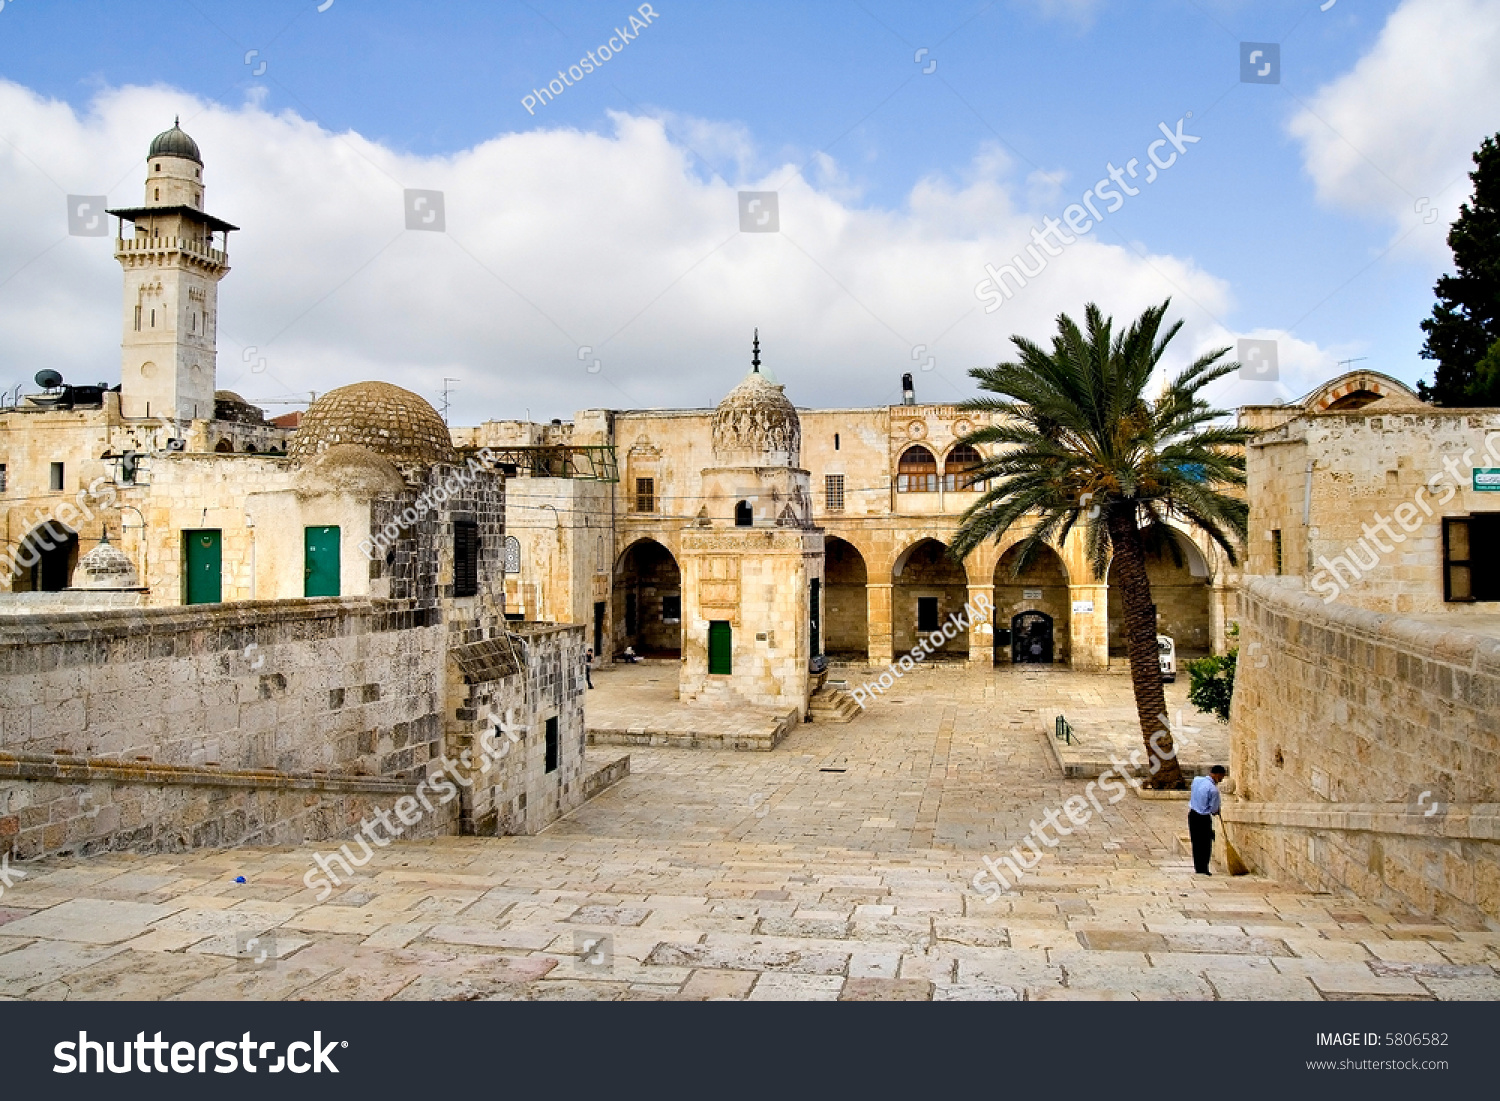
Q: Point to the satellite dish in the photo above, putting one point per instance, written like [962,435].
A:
[48,379]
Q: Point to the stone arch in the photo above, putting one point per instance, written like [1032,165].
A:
[1180,587]
[224,446]
[1042,586]
[648,600]
[45,559]
[846,601]
[927,587]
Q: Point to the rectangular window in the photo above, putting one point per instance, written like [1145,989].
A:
[1469,542]
[55,482]
[553,742]
[1276,552]
[645,494]
[671,608]
[2,477]
[833,490]
[137,319]
[927,613]
[465,558]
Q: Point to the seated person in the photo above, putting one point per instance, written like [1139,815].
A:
[629,654]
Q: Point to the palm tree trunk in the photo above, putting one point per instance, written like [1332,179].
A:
[1128,565]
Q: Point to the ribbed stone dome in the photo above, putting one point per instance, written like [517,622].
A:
[386,419]
[106,567]
[756,425]
[175,143]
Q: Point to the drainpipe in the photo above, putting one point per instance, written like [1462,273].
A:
[1307,495]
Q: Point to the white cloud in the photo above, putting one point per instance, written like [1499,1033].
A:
[1401,125]
[556,239]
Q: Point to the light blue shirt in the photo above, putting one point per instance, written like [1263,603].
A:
[1204,798]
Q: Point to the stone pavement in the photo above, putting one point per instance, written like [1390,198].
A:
[838,866]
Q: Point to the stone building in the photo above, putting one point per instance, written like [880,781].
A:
[607,544]
[1366,744]
[277,640]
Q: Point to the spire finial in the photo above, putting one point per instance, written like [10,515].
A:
[176,122]
[755,357]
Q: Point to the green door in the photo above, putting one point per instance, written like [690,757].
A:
[720,647]
[321,562]
[202,563]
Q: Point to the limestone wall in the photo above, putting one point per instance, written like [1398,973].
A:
[1342,720]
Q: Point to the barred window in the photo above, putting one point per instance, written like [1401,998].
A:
[833,491]
[512,554]
[465,558]
[645,494]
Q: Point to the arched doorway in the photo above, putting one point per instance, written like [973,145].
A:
[927,588]
[1041,587]
[45,559]
[1031,639]
[1180,587]
[648,601]
[846,601]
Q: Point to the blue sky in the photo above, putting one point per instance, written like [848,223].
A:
[1303,229]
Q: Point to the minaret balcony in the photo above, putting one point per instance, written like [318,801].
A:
[145,248]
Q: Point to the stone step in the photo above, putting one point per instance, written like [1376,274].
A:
[832,705]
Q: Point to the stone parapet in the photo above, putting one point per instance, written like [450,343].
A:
[1367,749]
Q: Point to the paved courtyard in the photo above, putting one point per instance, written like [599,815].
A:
[836,867]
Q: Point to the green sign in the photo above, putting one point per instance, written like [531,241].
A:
[1487,479]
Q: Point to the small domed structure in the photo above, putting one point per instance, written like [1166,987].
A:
[106,567]
[175,143]
[385,419]
[349,470]
[229,406]
[756,423]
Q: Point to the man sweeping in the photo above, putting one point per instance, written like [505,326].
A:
[1203,804]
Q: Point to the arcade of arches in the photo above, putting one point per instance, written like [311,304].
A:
[1052,611]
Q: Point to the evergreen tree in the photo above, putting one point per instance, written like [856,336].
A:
[1465,323]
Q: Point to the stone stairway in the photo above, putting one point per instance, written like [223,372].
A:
[832,705]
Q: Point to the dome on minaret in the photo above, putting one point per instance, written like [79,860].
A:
[756,423]
[175,143]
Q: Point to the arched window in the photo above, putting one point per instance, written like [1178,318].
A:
[512,554]
[223,445]
[743,516]
[917,471]
[957,465]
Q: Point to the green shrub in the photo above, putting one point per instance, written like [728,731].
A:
[1213,682]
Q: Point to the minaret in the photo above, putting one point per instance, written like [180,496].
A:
[172,273]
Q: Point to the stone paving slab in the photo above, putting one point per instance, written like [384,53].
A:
[751,876]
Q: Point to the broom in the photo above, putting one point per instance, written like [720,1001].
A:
[1232,859]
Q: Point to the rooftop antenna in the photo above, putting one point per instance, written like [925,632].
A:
[1356,359]
[755,354]
[446,388]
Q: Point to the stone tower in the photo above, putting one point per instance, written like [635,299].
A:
[752,561]
[172,273]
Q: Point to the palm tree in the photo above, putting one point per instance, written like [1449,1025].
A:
[1081,442]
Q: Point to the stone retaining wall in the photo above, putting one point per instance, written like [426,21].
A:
[1367,754]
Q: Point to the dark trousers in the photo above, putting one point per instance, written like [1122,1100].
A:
[1201,830]
[588,676]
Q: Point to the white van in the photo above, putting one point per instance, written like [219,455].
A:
[1166,651]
